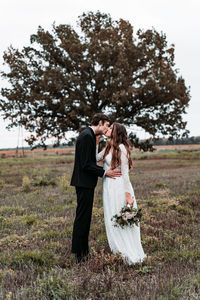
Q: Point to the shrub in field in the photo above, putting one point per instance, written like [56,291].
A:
[63,183]
[17,259]
[51,286]
[182,255]
[50,235]
[152,242]
[10,210]
[161,185]
[97,212]
[43,181]
[26,184]
[2,183]
[30,220]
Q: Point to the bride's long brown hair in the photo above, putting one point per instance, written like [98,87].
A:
[118,136]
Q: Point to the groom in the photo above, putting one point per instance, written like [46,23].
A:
[84,178]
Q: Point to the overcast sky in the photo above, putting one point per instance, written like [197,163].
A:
[178,19]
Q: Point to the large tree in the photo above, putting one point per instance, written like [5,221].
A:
[58,82]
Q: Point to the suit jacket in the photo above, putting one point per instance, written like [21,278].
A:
[86,171]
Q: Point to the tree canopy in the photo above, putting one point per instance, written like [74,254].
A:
[65,76]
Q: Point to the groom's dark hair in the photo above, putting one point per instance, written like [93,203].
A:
[99,117]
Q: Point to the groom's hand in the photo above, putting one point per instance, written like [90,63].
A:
[113,174]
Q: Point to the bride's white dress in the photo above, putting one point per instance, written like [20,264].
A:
[126,241]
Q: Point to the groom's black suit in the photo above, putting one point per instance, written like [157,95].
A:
[84,178]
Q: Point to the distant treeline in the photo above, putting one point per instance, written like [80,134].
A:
[185,141]
[162,141]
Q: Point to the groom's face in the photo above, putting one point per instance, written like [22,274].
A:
[109,131]
[103,127]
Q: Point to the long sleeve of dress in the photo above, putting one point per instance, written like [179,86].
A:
[99,156]
[125,171]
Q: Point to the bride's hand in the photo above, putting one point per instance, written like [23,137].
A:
[129,199]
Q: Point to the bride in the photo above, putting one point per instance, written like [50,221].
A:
[119,192]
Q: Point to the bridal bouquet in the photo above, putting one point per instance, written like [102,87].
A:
[128,216]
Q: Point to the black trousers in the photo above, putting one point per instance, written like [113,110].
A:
[81,228]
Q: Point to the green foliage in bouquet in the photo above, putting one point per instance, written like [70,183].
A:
[128,216]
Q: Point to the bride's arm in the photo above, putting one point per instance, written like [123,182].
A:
[99,156]
[125,175]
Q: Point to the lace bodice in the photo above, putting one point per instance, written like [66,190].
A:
[124,166]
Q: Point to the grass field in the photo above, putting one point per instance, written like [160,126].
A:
[37,209]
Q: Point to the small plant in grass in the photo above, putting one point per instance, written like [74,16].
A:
[101,259]
[63,183]
[43,181]
[26,184]
[2,183]
[52,286]
[11,210]
[1,276]
[161,185]
[30,257]
[143,270]
[30,220]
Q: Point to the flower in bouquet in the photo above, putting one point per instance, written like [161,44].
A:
[128,216]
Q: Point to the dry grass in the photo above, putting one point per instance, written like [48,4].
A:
[37,208]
